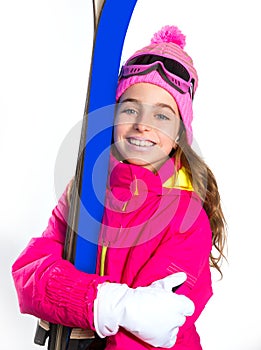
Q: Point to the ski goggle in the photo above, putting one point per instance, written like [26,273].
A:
[173,72]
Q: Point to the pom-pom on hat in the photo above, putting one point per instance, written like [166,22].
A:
[168,45]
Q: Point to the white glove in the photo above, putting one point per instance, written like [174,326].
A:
[153,314]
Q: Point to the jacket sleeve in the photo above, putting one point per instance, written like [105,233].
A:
[50,287]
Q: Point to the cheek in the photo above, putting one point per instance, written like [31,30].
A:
[115,133]
[169,145]
[119,131]
[168,137]
[169,134]
[174,131]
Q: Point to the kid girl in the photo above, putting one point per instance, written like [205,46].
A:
[162,218]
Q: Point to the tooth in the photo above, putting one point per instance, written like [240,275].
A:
[141,143]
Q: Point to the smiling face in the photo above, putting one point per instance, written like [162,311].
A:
[146,125]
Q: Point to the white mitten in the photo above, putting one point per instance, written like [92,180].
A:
[153,314]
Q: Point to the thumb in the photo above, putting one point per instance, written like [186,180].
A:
[170,281]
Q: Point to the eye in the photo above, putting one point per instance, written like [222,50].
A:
[129,111]
[161,116]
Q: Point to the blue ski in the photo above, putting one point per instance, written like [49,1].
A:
[110,36]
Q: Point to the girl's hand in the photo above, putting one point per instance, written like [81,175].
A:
[153,314]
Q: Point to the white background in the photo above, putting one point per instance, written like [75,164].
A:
[45,53]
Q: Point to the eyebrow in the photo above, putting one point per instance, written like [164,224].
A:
[130,100]
[162,105]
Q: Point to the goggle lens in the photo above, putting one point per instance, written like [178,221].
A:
[171,71]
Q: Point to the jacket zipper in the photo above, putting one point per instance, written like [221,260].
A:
[106,245]
[103,257]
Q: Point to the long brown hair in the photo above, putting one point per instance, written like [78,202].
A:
[205,185]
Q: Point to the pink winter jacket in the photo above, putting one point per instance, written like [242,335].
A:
[152,227]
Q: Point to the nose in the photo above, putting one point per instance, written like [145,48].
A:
[142,123]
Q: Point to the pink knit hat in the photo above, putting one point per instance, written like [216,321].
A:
[177,76]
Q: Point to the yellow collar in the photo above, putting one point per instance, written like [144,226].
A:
[180,180]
